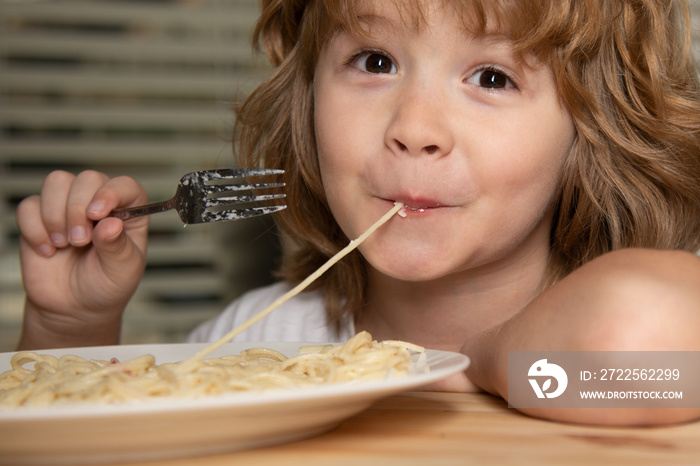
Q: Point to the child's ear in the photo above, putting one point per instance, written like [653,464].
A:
[278,27]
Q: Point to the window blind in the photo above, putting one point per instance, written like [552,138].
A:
[139,88]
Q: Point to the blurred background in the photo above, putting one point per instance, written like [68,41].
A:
[142,88]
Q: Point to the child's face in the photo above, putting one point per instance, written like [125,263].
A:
[454,126]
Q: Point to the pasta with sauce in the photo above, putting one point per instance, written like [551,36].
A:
[71,379]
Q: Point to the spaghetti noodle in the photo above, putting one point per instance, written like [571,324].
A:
[70,379]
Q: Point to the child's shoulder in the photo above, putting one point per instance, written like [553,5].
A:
[633,299]
[639,274]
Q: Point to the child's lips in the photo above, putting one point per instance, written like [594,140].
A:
[418,209]
[417,206]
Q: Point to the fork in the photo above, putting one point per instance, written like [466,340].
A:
[199,199]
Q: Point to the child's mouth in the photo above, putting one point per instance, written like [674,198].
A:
[407,208]
[416,207]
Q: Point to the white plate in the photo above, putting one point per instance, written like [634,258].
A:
[168,428]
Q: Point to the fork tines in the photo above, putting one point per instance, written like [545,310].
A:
[243,205]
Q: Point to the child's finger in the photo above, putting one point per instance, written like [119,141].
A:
[121,191]
[82,191]
[32,228]
[54,192]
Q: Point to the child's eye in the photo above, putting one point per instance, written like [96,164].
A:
[491,78]
[373,62]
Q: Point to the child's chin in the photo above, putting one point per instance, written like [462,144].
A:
[403,262]
[412,272]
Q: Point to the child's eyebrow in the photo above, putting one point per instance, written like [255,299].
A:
[368,21]
[388,26]
[496,39]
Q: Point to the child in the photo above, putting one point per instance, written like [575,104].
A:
[548,153]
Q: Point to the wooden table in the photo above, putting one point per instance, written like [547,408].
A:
[426,428]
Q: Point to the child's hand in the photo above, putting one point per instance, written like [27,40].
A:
[79,268]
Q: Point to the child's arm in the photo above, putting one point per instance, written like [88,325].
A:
[630,300]
[79,268]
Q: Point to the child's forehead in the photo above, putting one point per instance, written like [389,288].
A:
[475,16]
[534,27]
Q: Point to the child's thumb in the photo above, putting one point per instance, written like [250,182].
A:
[116,250]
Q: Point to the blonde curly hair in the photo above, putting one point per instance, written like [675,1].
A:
[623,69]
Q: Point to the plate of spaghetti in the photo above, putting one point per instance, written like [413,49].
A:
[142,402]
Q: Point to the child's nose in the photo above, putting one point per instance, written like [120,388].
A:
[419,126]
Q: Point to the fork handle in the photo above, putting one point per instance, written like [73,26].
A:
[139,211]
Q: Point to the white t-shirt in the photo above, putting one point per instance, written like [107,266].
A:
[301,319]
